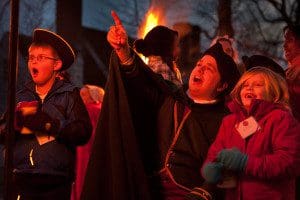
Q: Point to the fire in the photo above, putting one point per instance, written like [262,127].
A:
[153,18]
[151,22]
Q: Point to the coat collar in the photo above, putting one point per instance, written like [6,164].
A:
[57,87]
[258,108]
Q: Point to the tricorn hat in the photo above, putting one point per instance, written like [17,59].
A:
[262,61]
[62,47]
[158,41]
[226,66]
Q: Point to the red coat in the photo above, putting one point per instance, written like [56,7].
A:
[273,152]
[83,152]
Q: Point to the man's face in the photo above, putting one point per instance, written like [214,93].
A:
[291,49]
[204,79]
[42,64]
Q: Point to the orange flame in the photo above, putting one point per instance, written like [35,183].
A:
[153,18]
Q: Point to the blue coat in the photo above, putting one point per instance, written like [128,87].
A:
[64,104]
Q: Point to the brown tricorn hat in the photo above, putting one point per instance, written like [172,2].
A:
[62,47]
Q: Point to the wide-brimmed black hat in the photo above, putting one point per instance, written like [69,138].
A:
[62,47]
[159,41]
[262,61]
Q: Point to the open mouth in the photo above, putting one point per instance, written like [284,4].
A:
[197,79]
[35,71]
[250,96]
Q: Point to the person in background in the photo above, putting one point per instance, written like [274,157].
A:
[262,61]
[161,47]
[292,55]
[51,120]
[259,142]
[92,97]
[229,48]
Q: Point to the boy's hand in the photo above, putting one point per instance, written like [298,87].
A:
[22,109]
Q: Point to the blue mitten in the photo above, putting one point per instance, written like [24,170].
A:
[212,172]
[232,159]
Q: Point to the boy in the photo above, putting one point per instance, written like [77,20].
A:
[51,120]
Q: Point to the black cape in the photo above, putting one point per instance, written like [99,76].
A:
[116,170]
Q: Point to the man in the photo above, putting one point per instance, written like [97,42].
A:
[159,138]
[51,120]
[292,55]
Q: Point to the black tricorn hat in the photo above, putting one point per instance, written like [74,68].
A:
[226,66]
[62,47]
[262,61]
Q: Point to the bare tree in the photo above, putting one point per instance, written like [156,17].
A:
[224,14]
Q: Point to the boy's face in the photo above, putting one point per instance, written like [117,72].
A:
[42,64]
[205,79]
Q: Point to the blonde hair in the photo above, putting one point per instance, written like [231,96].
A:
[275,86]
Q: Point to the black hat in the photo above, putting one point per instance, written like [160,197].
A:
[62,47]
[158,41]
[262,61]
[226,66]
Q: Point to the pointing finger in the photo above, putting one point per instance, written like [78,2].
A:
[116,18]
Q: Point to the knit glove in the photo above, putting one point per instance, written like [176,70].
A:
[212,172]
[41,122]
[232,159]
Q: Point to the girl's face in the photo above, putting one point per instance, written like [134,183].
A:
[253,88]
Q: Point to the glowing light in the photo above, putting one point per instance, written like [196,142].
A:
[151,22]
[153,18]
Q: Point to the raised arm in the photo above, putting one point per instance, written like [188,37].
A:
[118,39]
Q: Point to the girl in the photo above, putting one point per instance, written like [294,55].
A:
[258,142]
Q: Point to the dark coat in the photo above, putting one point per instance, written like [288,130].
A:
[64,104]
